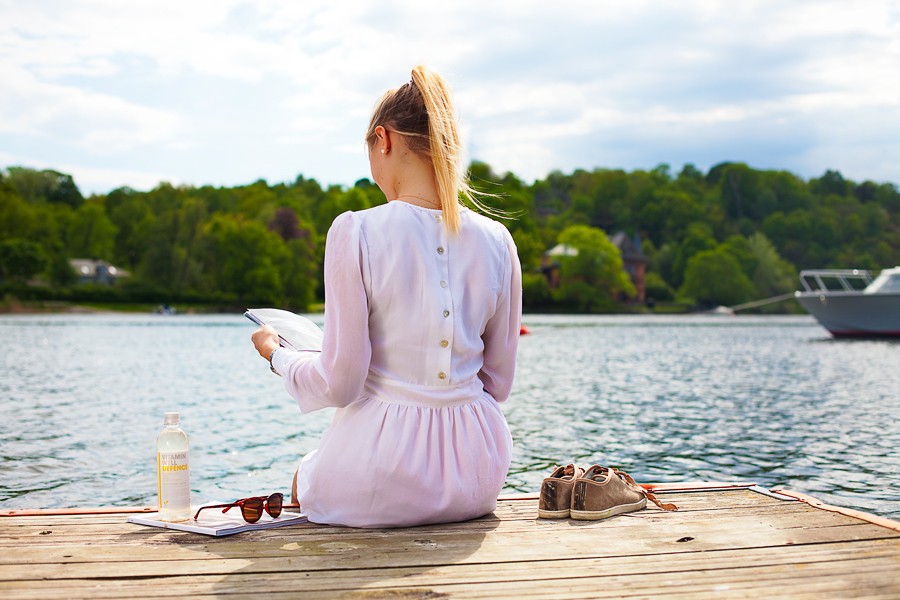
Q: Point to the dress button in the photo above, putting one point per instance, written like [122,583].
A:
[442,375]
[443,284]
[440,250]
[444,343]
[446,313]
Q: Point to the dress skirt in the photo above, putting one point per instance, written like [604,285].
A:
[404,455]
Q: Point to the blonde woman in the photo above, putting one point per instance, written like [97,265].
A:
[422,316]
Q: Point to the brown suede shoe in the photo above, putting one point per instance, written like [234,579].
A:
[603,492]
[556,492]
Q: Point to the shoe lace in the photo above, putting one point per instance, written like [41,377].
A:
[648,495]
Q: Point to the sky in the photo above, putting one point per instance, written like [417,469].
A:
[227,92]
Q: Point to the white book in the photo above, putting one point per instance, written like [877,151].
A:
[214,522]
[296,332]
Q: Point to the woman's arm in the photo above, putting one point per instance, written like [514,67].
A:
[335,376]
[501,335]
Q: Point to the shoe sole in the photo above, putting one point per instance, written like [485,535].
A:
[553,514]
[597,515]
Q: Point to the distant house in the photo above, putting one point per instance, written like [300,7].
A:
[633,258]
[550,262]
[635,262]
[96,271]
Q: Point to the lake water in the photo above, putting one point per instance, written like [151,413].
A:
[774,400]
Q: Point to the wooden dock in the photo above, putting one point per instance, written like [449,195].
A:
[736,541]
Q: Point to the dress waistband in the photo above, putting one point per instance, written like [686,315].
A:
[401,392]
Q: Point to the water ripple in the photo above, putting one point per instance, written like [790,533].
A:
[772,400]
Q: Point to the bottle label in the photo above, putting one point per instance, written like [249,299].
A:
[174,480]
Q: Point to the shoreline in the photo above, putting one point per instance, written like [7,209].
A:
[70,308]
[17,307]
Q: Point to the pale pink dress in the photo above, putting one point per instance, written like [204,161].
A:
[421,331]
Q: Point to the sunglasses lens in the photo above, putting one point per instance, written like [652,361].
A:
[252,510]
[274,504]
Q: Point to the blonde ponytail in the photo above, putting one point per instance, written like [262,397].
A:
[444,143]
[423,110]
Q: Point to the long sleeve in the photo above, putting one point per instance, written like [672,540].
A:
[335,376]
[501,335]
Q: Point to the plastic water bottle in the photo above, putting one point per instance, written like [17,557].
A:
[173,474]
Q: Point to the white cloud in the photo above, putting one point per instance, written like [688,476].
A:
[94,121]
[227,87]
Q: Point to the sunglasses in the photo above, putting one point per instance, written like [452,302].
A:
[252,508]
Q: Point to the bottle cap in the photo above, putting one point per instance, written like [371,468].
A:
[173,418]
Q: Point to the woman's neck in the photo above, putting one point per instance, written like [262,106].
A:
[425,200]
[413,180]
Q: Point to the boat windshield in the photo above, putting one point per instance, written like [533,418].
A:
[888,282]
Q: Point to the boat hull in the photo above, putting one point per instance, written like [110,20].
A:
[854,315]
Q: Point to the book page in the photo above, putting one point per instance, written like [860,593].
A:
[214,522]
[296,332]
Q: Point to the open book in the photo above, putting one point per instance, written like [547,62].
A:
[216,523]
[296,332]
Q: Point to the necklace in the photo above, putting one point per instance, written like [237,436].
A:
[429,203]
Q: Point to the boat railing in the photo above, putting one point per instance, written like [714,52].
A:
[835,280]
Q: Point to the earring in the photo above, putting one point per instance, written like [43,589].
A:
[382,150]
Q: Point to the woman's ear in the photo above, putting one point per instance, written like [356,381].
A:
[383,137]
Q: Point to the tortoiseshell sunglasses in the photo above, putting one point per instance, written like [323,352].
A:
[252,508]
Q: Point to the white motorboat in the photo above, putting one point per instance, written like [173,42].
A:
[848,303]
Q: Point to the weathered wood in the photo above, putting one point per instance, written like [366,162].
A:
[786,580]
[36,534]
[741,544]
[625,534]
[280,577]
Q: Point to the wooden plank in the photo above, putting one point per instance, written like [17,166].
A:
[787,515]
[743,543]
[654,526]
[284,575]
[363,549]
[881,521]
[507,511]
[36,533]
[779,580]
[524,504]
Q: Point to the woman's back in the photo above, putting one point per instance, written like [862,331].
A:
[431,293]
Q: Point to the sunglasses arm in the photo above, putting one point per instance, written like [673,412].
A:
[227,506]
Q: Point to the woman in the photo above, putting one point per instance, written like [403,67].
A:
[423,306]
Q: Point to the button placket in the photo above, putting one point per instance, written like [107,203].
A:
[445,328]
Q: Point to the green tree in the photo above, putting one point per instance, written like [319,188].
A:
[714,277]
[530,248]
[740,248]
[188,266]
[45,186]
[246,259]
[17,217]
[134,219]
[656,288]
[164,236]
[594,277]
[773,275]
[536,293]
[21,259]
[662,262]
[300,273]
[61,272]
[831,182]
[91,233]
[699,237]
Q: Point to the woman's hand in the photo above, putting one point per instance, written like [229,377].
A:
[266,341]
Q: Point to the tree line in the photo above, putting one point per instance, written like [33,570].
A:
[727,236]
